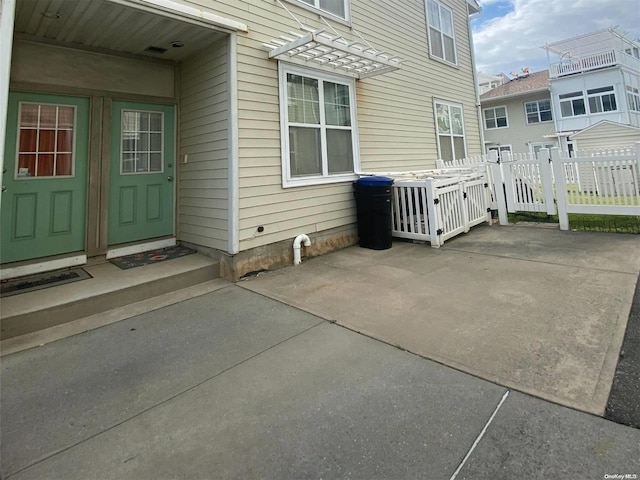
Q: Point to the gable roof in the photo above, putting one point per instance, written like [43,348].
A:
[534,82]
[602,123]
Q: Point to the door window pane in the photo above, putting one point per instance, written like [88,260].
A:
[141,142]
[46,138]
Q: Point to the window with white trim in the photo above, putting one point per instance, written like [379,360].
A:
[495,117]
[46,140]
[319,138]
[536,147]
[141,142]
[538,111]
[572,104]
[442,42]
[500,150]
[602,100]
[450,130]
[633,97]
[339,8]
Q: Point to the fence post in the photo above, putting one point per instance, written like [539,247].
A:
[561,188]
[440,163]
[509,193]
[498,188]
[432,212]
[544,160]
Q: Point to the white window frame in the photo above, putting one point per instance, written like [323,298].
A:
[633,98]
[16,172]
[538,110]
[495,117]
[325,178]
[542,145]
[432,55]
[437,102]
[604,91]
[570,99]
[148,151]
[316,8]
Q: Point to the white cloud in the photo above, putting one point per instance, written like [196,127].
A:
[513,41]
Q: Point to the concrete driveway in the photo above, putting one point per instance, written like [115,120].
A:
[531,308]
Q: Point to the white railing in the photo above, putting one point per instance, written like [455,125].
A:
[593,62]
[434,206]
[608,184]
[593,182]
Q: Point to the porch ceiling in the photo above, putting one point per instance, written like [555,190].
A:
[101,24]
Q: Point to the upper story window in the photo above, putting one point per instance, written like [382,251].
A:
[538,111]
[602,100]
[633,97]
[450,129]
[572,104]
[442,43]
[339,8]
[495,117]
[319,140]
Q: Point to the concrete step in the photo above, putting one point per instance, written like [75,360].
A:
[109,288]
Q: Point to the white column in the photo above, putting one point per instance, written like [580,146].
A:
[7,11]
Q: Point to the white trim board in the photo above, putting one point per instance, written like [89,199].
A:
[46,266]
[140,247]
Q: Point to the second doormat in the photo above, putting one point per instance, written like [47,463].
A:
[152,256]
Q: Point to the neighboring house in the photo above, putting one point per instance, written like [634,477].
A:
[488,82]
[595,78]
[230,125]
[517,116]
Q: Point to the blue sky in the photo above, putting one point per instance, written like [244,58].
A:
[509,34]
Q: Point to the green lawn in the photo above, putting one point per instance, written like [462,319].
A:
[586,223]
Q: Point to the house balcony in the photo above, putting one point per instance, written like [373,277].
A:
[596,61]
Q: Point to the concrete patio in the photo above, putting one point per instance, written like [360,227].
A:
[534,309]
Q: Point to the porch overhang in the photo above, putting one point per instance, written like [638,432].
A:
[333,52]
[185,13]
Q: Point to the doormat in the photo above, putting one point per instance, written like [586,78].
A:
[39,282]
[152,256]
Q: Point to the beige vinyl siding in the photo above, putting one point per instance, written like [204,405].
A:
[606,135]
[396,123]
[203,199]
[519,134]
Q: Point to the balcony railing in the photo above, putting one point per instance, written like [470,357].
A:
[593,62]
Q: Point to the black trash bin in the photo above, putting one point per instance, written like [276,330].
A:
[373,205]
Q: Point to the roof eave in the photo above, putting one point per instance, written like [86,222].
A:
[513,95]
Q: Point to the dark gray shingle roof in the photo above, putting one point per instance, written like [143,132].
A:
[533,81]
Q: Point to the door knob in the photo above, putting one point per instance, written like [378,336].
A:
[4,189]
[170,179]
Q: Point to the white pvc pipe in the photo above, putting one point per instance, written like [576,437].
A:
[296,247]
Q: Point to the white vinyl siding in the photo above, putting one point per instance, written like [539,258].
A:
[442,43]
[395,112]
[203,181]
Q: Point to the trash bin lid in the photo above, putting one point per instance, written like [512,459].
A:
[374,181]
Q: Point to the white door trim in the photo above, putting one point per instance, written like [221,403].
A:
[140,247]
[46,266]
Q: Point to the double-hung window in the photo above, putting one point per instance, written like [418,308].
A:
[450,129]
[572,104]
[538,111]
[319,138]
[495,117]
[339,8]
[633,97]
[442,43]
[602,100]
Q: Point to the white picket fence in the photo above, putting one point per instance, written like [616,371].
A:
[602,182]
[433,205]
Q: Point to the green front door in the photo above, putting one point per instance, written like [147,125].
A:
[141,188]
[45,176]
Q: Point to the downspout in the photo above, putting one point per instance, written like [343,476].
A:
[7,9]
[475,81]
[296,247]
